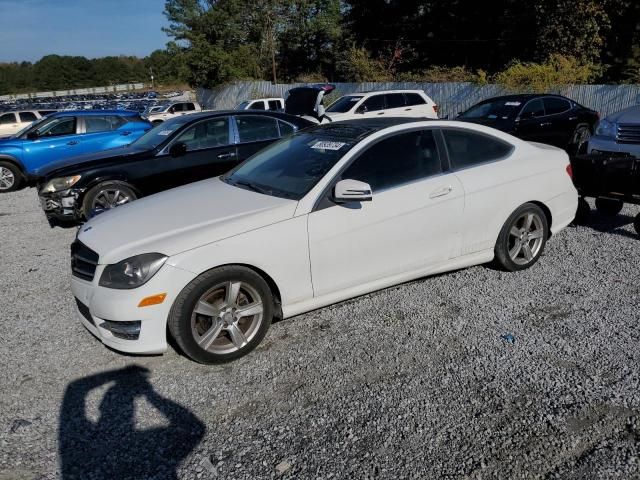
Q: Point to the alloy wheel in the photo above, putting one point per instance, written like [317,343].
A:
[7,178]
[110,198]
[526,237]
[227,317]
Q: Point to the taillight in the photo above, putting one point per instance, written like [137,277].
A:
[570,171]
[436,108]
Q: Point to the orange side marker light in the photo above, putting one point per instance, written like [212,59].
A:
[152,300]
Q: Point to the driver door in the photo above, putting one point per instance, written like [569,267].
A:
[57,139]
[413,221]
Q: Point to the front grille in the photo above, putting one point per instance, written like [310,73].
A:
[84,310]
[628,133]
[83,261]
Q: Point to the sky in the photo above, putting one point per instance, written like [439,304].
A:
[30,29]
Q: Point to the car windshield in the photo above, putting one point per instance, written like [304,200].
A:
[504,109]
[291,167]
[242,106]
[344,104]
[159,133]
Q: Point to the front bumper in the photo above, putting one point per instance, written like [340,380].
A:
[61,208]
[606,145]
[113,316]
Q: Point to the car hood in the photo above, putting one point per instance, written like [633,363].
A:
[51,169]
[628,115]
[181,219]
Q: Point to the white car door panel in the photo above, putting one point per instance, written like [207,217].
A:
[402,229]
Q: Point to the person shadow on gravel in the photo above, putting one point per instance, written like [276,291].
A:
[112,447]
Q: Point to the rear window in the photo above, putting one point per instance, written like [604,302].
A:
[7,118]
[274,105]
[257,105]
[554,105]
[467,148]
[414,99]
[27,117]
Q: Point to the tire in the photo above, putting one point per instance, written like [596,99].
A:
[608,207]
[204,305]
[526,226]
[11,178]
[636,223]
[107,195]
[580,139]
[583,212]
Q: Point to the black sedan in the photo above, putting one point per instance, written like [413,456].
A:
[179,151]
[550,119]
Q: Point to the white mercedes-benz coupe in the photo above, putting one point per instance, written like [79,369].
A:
[322,216]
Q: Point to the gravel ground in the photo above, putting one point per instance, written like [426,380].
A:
[414,381]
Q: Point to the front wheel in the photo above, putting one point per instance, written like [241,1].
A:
[105,196]
[222,315]
[580,139]
[11,178]
[522,238]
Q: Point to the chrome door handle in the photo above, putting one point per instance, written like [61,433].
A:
[441,192]
[226,155]
[546,124]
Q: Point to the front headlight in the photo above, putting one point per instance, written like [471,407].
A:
[59,184]
[606,129]
[132,272]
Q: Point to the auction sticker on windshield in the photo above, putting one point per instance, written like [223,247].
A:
[326,145]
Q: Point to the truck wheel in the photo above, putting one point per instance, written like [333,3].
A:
[11,178]
[636,223]
[608,207]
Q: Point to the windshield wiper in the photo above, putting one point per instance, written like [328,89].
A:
[252,186]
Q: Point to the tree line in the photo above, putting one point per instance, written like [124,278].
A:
[515,42]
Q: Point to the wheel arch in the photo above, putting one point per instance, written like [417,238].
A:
[116,177]
[14,161]
[547,213]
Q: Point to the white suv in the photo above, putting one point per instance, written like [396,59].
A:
[12,122]
[384,103]
[275,104]
[159,113]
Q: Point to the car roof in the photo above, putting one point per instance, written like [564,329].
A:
[301,122]
[400,90]
[84,113]
[523,97]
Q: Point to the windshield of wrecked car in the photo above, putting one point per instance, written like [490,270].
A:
[291,167]
[494,110]
[159,133]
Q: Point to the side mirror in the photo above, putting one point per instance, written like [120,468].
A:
[352,191]
[33,135]
[178,149]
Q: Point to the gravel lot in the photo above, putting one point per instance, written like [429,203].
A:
[410,382]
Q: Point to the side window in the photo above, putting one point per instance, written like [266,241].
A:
[274,105]
[285,128]
[59,127]
[208,134]
[533,109]
[26,117]
[116,122]
[467,148]
[373,104]
[395,100]
[7,118]
[96,123]
[178,107]
[414,99]
[397,160]
[259,105]
[254,128]
[190,107]
[554,105]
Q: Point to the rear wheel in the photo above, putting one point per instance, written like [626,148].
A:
[222,315]
[522,238]
[608,207]
[107,195]
[636,223]
[11,178]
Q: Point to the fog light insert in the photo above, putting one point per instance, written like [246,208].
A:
[124,330]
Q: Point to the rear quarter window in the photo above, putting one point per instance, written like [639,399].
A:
[467,149]
[26,117]
[414,99]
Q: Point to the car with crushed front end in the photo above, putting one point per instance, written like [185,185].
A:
[179,151]
[63,135]
[322,216]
